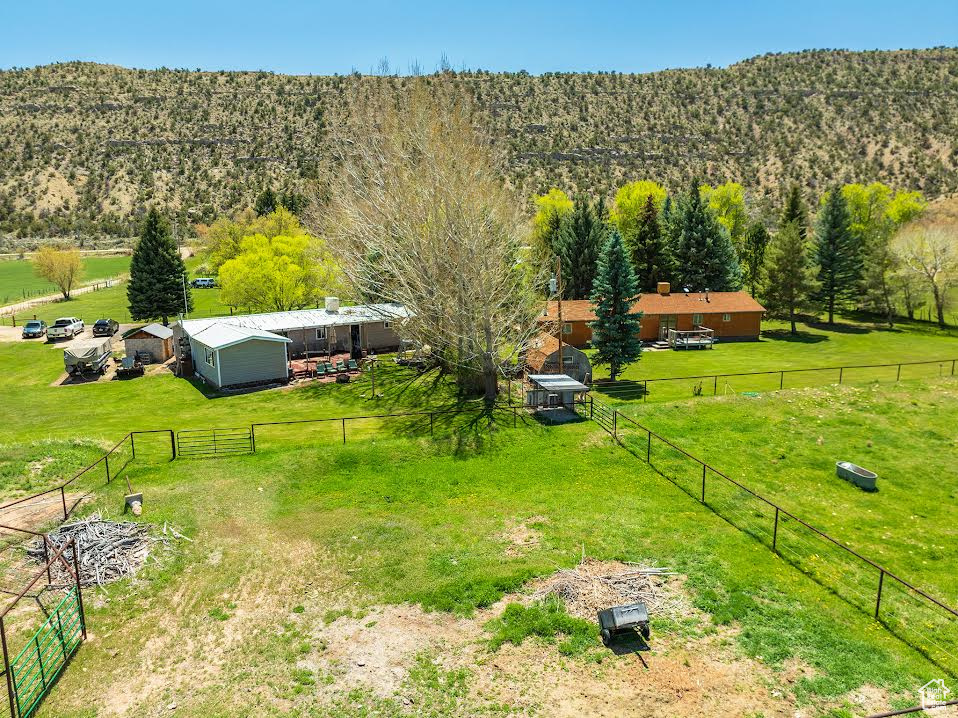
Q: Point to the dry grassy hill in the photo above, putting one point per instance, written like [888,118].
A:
[84,146]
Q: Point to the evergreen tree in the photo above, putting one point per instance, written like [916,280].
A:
[266,202]
[753,254]
[292,200]
[157,274]
[704,255]
[579,241]
[650,251]
[794,211]
[837,253]
[790,283]
[615,331]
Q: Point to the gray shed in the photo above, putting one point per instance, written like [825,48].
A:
[153,339]
[231,356]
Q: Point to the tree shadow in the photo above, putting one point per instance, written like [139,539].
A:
[784,335]
[842,328]
[625,389]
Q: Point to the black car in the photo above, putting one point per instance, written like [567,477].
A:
[34,328]
[105,328]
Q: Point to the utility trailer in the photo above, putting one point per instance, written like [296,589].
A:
[88,356]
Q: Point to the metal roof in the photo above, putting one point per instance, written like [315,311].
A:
[157,330]
[557,382]
[220,336]
[302,318]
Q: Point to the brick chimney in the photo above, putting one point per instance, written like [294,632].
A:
[663,288]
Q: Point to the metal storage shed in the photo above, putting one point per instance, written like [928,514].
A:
[554,390]
[230,356]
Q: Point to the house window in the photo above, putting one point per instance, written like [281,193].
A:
[567,328]
[726,317]
[321,333]
[568,360]
[211,357]
[387,325]
[696,319]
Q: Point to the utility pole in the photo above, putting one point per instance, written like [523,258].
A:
[186,306]
[561,325]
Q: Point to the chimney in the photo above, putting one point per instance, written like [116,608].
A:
[706,294]
[663,288]
[332,304]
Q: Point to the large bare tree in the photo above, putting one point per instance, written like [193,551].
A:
[417,210]
[931,254]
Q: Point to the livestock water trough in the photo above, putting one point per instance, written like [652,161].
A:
[862,478]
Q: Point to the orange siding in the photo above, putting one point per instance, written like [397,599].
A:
[741,325]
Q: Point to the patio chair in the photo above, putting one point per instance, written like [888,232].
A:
[320,369]
[330,369]
[352,365]
[340,366]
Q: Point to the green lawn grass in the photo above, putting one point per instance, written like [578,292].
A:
[18,280]
[848,343]
[409,518]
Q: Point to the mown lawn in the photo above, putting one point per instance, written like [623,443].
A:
[298,533]
[18,280]
[849,342]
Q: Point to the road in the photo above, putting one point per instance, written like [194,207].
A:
[49,298]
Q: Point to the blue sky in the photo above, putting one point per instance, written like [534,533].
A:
[323,38]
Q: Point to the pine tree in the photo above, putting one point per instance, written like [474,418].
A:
[580,239]
[790,282]
[157,274]
[794,211]
[615,331]
[837,253]
[266,202]
[650,251]
[753,254]
[704,255]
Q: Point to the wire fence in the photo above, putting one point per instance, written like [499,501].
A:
[684,387]
[911,613]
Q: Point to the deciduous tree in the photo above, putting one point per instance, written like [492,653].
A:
[58,266]
[727,201]
[931,253]
[157,288]
[615,331]
[551,209]
[629,205]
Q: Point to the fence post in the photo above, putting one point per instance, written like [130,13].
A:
[715,386]
[63,498]
[591,407]
[252,437]
[881,580]
[645,390]
[775,533]
[46,559]
[704,469]
[648,450]
[6,669]
[615,424]
[431,416]
[344,430]
[132,445]
[106,461]
[952,367]
[76,569]
[172,443]
[841,371]
[781,380]
[898,376]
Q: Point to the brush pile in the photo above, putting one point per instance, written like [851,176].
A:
[596,585]
[109,550]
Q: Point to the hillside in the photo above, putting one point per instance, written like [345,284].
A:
[85,146]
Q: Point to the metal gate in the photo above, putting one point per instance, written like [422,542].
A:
[40,662]
[214,442]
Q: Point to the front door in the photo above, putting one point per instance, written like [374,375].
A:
[355,342]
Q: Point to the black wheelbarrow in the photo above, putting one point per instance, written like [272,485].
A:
[624,619]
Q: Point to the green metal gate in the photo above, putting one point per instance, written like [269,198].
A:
[40,662]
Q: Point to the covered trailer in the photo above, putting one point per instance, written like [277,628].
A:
[89,355]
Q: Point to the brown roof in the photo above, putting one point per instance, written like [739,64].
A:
[652,304]
[541,348]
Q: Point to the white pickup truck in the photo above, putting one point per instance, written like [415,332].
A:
[65,328]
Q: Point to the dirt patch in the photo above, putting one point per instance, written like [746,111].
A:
[37,513]
[522,537]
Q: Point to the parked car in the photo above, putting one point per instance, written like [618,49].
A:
[34,328]
[105,327]
[203,283]
[65,328]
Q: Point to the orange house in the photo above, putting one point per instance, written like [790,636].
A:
[731,315]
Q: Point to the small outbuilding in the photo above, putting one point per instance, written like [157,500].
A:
[554,391]
[152,343]
[542,357]
[230,356]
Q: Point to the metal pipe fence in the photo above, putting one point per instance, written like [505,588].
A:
[911,613]
[675,387]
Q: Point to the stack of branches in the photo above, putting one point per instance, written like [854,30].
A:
[593,586]
[108,550]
